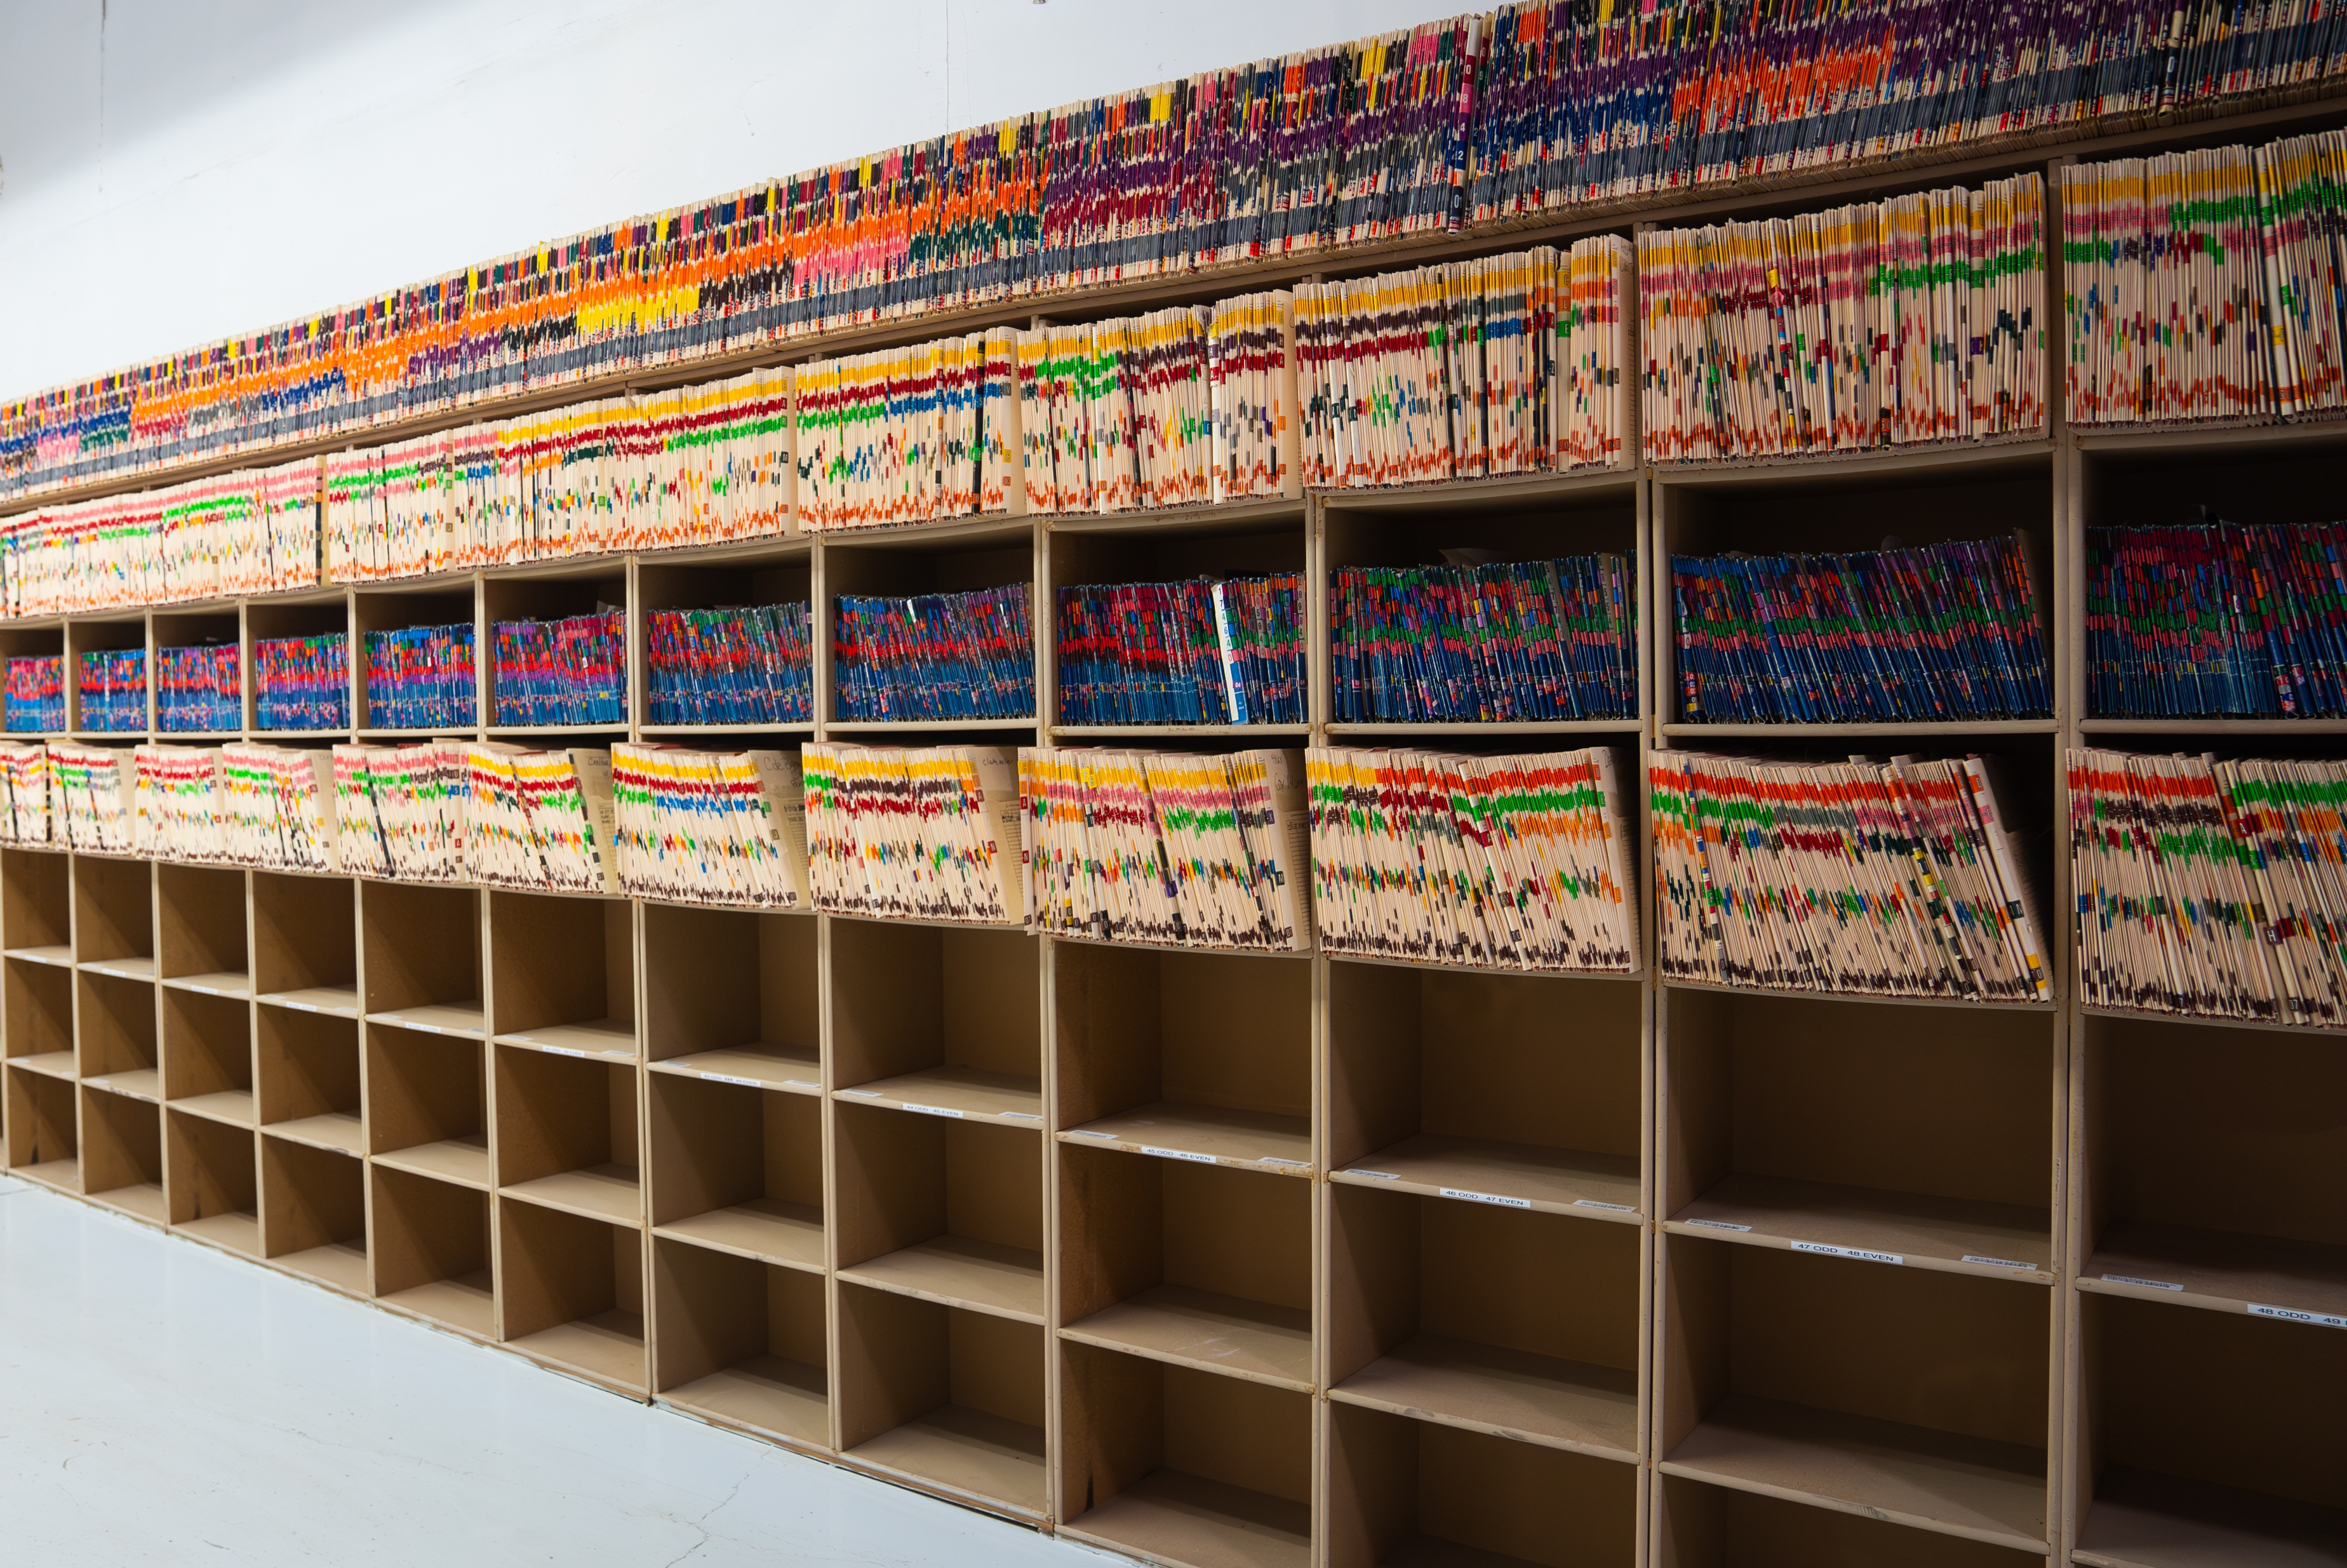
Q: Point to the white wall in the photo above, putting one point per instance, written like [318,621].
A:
[176,172]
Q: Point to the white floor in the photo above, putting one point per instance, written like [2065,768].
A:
[161,1403]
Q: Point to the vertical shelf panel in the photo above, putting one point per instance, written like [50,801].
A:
[947,1398]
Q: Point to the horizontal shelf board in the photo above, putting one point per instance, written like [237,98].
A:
[1796,467]
[121,968]
[1169,1516]
[608,1348]
[791,1069]
[2204,1020]
[765,1393]
[2015,1007]
[48,1063]
[442,732]
[238,1232]
[1448,494]
[140,1200]
[2165,440]
[235,986]
[800,729]
[1971,1486]
[1901,727]
[1513,1394]
[465,1018]
[967,1452]
[610,727]
[464,1304]
[2213,726]
[1216,1333]
[607,1039]
[1110,732]
[2136,1519]
[1955,1235]
[65,1174]
[599,1193]
[60,955]
[1249,1140]
[138,1082]
[1433,1551]
[1554,1181]
[771,1230]
[1014,1100]
[901,727]
[1498,727]
[339,1131]
[1438,966]
[1004,1281]
[1226,514]
[337,1265]
[340,1001]
[237,1107]
[2222,1270]
[465,1161]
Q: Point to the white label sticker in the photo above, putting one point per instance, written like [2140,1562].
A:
[1178,1154]
[2147,1283]
[1718,1225]
[863,1094]
[1487,1198]
[312,1007]
[1086,1133]
[1862,1254]
[1610,1208]
[1999,1262]
[1293,1164]
[802,1083]
[729,1077]
[1375,1175]
[562,1051]
[1021,1115]
[2292,1315]
[931,1109]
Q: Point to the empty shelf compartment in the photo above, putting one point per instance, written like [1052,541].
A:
[741,1341]
[945,1396]
[952,1212]
[737,1169]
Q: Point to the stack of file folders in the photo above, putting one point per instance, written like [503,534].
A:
[421,678]
[741,666]
[302,683]
[25,793]
[197,690]
[400,810]
[1197,652]
[93,793]
[568,671]
[710,827]
[935,657]
[540,820]
[36,695]
[923,833]
[114,689]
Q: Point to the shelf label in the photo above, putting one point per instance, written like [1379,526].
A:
[1292,1165]
[862,1093]
[1019,1115]
[802,1083]
[729,1077]
[562,1051]
[931,1109]
[1487,1198]
[1860,1253]
[1999,1262]
[1086,1133]
[1609,1208]
[1375,1175]
[1718,1224]
[2147,1283]
[1178,1154]
[2292,1315]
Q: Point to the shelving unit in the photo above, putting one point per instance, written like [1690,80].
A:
[1255,1261]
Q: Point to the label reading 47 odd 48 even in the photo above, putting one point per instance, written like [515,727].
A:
[1862,1254]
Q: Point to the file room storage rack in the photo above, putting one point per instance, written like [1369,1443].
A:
[1255,1261]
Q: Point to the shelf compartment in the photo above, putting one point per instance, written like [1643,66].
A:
[38,1010]
[2208,1440]
[423,947]
[122,1153]
[305,942]
[114,913]
[950,1399]
[2212,1177]
[309,1079]
[742,1342]
[1181,1467]
[44,1127]
[583,586]
[314,1213]
[117,1034]
[396,608]
[1200,1055]
[737,1169]
[213,1184]
[734,995]
[430,1243]
[207,1056]
[200,916]
[563,972]
[1519,1324]
[1701,1526]
[427,1104]
[1515,1087]
[1405,1493]
[942,1017]
[1192,1264]
[1906,1395]
[37,903]
[566,1135]
[950,1212]
[570,1293]
[1787,1115]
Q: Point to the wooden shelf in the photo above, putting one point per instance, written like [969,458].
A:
[1507,1393]
[608,1039]
[1969,1486]
[757,1066]
[465,1305]
[1171,1517]
[2141,1520]
[606,1347]
[138,1082]
[772,1230]
[57,953]
[2002,1241]
[970,1092]
[1554,1180]
[340,1001]
[462,1159]
[238,1232]
[122,969]
[605,1192]
[1247,1140]
[337,1129]
[765,1393]
[232,984]
[2264,1276]
[65,1176]
[955,1271]
[462,1019]
[49,1063]
[233,1106]
[985,1457]
[1204,1329]
[140,1200]
[338,1265]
